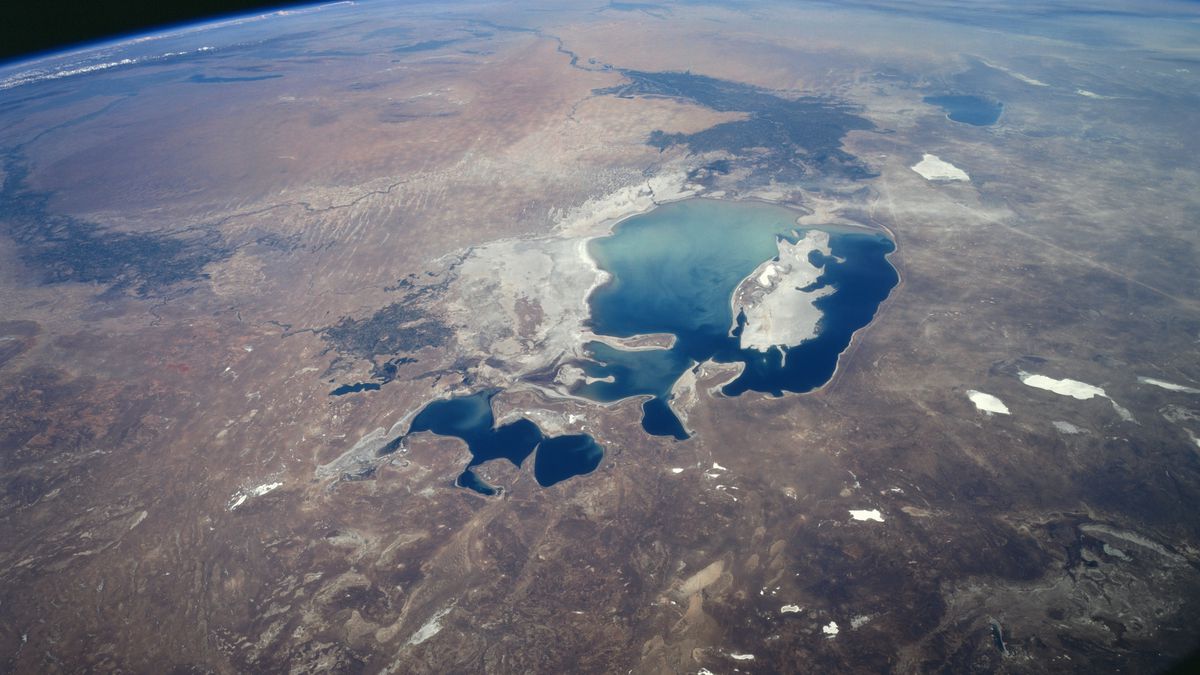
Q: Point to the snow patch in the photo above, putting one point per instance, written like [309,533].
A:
[830,629]
[1124,414]
[872,514]
[931,167]
[1075,389]
[1066,427]
[1169,386]
[263,489]
[677,469]
[430,628]
[241,496]
[138,518]
[1116,552]
[790,609]
[1065,387]
[1028,80]
[1100,531]
[987,403]
[741,657]
[1020,76]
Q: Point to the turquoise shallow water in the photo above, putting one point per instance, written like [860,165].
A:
[674,270]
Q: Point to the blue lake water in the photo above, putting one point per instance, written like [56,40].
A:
[355,388]
[975,110]
[470,419]
[674,270]
[564,457]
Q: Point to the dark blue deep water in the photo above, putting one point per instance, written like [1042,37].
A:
[974,110]
[674,270]
[470,418]
[355,388]
[564,457]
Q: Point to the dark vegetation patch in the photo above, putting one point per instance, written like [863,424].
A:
[389,336]
[404,111]
[16,337]
[633,6]
[708,174]
[11,348]
[649,9]
[401,327]
[201,78]
[425,46]
[62,248]
[361,474]
[784,139]
[389,33]
[279,242]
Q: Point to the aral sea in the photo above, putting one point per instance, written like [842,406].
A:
[674,271]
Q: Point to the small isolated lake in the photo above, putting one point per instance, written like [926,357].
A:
[974,110]
[675,270]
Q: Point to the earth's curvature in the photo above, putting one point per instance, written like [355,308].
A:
[628,337]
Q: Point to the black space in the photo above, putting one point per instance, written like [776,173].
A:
[32,27]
